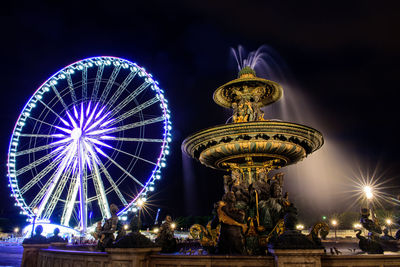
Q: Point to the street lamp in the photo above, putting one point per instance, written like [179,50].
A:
[334,224]
[35,211]
[16,230]
[389,223]
[173,226]
[140,203]
[368,194]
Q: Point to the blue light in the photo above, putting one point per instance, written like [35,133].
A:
[83,131]
[83,125]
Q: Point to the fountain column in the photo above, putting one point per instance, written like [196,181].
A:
[248,148]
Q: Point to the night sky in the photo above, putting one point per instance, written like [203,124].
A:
[342,60]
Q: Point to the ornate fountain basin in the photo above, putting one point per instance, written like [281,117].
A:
[252,143]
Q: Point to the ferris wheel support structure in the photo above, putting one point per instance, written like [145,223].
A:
[96,132]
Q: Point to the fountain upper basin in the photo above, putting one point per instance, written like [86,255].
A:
[252,144]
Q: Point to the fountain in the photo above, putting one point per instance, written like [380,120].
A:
[253,213]
[254,223]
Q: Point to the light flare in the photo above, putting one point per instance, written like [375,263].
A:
[82,134]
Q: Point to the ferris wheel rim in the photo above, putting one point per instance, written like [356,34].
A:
[13,179]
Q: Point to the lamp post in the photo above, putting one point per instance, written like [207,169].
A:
[35,211]
[389,223]
[140,204]
[368,194]
[334,224]
[16,230]
[300,227]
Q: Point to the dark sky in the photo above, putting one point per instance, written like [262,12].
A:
[343,58]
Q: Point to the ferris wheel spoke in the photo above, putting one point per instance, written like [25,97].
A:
[36,163]
[40,195]
[134,156]
[127,139]
[70,201]
[111,181]
[39,176]
[97,82]
[123,170]
[41,135]
[134,110]
[98,183]
[121,88]
[63,165]
[36,149]
[71,88]
[59,97]
[99,187]
[97,197]
[110,83]
[52,111]
[43,122]
[84,82]
[130,97]
[136,124]
[55,197]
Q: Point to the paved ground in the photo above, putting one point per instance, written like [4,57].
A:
[10,255]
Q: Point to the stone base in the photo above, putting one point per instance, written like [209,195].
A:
[297,257]
[148,257]
[138,257]
[31,254]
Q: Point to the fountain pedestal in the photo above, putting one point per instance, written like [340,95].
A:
[297,257]
[252,210]
[131,256]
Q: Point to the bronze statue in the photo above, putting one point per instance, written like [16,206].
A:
[107,232]
[134,239]
[165,238]
[231,239]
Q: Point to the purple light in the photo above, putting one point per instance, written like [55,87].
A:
[86,114]
[82,135]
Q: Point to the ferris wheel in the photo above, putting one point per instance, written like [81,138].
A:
[95,133]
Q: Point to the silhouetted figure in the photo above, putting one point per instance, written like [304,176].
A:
[107,233]
[37,238]
[368,245]
[56,238]
[165,238]
[386,235]
[134,239]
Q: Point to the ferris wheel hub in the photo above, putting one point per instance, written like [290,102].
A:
[76,133]
[92,133]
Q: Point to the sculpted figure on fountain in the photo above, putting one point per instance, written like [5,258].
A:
[107,231]
[253,208]
[231,238]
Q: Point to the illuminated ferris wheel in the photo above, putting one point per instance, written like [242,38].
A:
[95,133]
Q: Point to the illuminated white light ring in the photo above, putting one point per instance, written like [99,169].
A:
[46,87]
